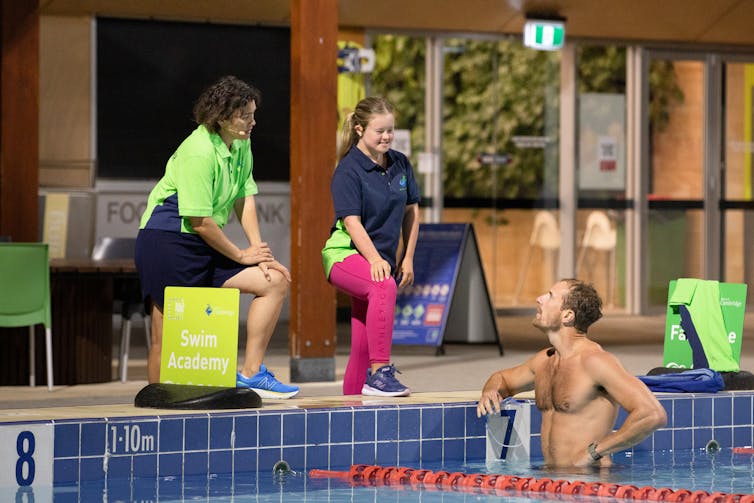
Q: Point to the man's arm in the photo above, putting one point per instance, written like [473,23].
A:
[645,414]
[508,382]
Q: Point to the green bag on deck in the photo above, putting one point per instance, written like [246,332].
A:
[718,311]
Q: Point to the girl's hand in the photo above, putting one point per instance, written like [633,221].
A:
[380,270]
[406,274]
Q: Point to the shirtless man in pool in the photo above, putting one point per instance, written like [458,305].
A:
[578,385]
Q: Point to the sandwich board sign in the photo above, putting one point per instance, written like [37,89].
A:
[677,350]
[449,300]
[200,336]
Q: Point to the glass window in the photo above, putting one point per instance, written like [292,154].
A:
[601,167]
[499,148]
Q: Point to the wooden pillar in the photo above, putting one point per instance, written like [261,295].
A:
[314,32]
[19,158]
[19,119]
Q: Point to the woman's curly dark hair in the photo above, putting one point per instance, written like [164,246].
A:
[585,303]
[221,100]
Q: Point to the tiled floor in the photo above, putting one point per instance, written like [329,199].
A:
[455,376]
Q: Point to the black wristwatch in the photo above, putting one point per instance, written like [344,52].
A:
[592,449]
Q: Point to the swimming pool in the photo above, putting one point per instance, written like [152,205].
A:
[722,471]
[224,453]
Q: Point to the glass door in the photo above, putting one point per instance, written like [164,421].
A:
[737,205]
[601,169]
[675,244]
[500,160]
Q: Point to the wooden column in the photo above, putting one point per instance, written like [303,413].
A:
[19,159]
[19,119]
[314,32]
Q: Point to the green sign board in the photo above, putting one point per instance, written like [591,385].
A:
[677,351]
[544,35]
[200,336]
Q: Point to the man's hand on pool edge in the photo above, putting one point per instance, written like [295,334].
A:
[489,403]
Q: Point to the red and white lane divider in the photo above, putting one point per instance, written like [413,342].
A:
[428,479]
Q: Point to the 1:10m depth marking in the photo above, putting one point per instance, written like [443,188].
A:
[131,440]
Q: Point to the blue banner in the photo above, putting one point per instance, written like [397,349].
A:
[421,310]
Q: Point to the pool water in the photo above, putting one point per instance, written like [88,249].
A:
[721,471]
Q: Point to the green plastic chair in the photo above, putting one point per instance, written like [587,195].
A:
[25,295]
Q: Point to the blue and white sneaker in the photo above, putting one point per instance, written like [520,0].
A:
[384,383]
[265,384]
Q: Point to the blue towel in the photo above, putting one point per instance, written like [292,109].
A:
[688,381]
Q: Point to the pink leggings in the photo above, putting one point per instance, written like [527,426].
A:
[372,314]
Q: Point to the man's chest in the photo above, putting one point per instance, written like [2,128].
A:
[564,387]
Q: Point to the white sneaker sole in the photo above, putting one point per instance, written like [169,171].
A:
[274,395]
[370,391]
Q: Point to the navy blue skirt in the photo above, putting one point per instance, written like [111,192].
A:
[165,258]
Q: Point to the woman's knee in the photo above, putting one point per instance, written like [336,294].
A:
[279,284]
[276,285]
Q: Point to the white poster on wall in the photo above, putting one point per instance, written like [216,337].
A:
[602,142]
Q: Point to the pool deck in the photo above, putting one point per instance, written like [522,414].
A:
[455,376]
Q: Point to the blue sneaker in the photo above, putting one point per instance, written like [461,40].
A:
[384,383]
[265,384]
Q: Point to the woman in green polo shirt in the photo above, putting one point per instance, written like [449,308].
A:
[181,241]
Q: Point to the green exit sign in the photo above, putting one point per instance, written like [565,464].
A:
[544,35]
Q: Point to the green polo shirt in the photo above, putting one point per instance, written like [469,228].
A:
[202,179]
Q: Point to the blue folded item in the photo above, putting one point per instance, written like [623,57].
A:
[689,381]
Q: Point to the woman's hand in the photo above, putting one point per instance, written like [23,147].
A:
[256,254]
[274,264]
[380,269]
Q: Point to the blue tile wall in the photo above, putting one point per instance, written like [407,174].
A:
[743,436]
[171,435]
[683,414]
[67,440]
[431,423]
[742,410]
[693,421]
[387,424]
[240,442]
[703,412]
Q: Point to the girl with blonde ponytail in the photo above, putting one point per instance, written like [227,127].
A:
[376,202]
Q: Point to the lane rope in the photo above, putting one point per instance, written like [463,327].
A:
[499,484]
[743,450]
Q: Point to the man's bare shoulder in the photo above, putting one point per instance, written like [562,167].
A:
[540,359]
[543,354]
[601,363]
[594,352]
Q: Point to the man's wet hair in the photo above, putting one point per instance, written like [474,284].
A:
[585,303]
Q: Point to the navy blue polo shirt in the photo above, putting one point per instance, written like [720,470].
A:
[361,187]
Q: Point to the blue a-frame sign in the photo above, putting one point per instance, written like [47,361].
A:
[449,300]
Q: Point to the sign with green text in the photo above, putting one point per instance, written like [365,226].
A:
[677,350]
[200,336]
